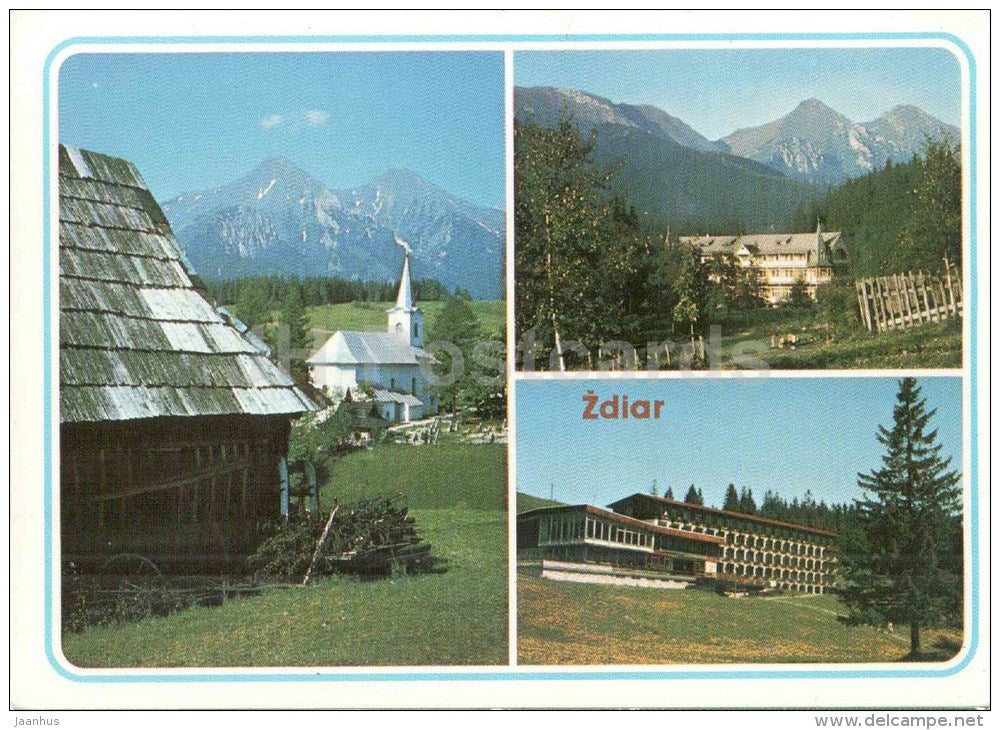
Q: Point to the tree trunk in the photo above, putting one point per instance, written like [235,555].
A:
[914,639]
[552,298]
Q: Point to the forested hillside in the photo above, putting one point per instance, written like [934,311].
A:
[902,217]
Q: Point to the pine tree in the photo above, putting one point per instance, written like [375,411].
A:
[669,494]
[458,325]
[692,496]
[732,500]
[293,317]
[251,306]
[905,564]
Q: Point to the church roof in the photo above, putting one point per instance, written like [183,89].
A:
[383,395]
[361,348]
[136,337]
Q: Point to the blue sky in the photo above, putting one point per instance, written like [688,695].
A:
[192,121]
[783,434]
[719,91]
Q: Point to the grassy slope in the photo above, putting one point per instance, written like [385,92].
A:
[367,316]
[455,617]
[464,476]
[568,623]
[530,501]
[929,346]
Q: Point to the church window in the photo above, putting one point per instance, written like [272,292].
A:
[416,329]
[413,386]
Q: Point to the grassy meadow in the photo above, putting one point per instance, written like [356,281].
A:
[933,345]
[576,623]
[370,316]
[458,616]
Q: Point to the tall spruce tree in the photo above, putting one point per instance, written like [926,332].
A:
[457,325]
[732,499]
[693,496]
[904,564]
[293,316]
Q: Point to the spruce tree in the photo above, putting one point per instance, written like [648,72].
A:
[293,316]
[457,325]
[904,564]
[669,494]
[692,496]
[732,500]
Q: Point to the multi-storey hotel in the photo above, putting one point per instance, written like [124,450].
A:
[781,259]
[657,542]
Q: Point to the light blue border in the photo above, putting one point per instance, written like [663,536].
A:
[504,673]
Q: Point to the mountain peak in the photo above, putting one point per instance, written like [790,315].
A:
[401,175]
[813,108]
[812,103]
[277,165]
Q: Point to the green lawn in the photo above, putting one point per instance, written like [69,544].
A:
[371,316]
[463,476]
[455,617]
[934,345]
[571,623]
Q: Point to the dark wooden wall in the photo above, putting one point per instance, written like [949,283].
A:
[189,494]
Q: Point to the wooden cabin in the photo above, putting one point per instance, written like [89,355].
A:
[173,425]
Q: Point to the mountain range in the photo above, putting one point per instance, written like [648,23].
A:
[278,219]
[813,143]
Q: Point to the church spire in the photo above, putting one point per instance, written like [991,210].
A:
[405,319]
[404,299]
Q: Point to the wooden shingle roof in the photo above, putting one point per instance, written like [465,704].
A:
[137,340]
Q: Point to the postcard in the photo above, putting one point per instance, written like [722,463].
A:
[435,360]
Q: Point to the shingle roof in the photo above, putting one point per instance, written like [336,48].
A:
[137,340]
[360,348]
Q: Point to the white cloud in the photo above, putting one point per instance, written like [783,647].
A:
[95,86]
[297,120]
[317,116]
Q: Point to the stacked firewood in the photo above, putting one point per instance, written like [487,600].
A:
[372,537]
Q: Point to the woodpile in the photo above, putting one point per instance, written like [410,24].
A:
[373,537]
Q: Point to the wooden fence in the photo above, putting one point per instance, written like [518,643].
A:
[907,300]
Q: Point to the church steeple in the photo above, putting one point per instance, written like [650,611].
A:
[406,320]
[404,299]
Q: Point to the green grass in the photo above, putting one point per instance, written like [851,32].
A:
[933,345]
[455,617]
[569,623]
[371,316]
[530,501]
[464,476]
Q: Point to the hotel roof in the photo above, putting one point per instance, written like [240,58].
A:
[722,512]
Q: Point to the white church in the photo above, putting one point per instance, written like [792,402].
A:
[388,362]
